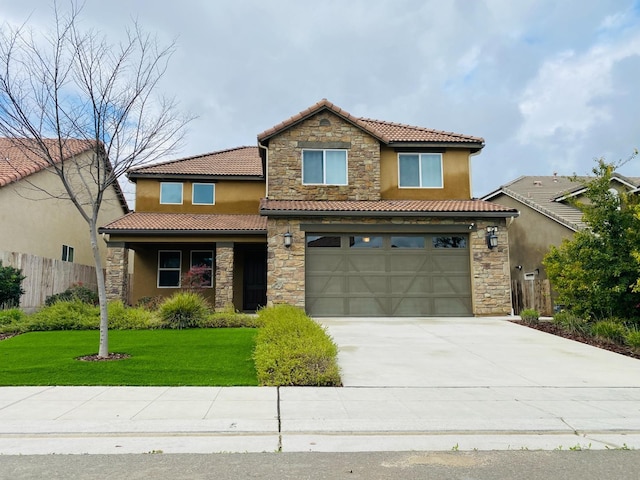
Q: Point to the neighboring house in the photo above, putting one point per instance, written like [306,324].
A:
[337,214]
[546,218]
[35,222]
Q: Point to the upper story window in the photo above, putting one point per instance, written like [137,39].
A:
[324,167]
[171,193]
[203,194]
[67,253]
[420,170]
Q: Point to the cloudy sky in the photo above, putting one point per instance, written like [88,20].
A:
[550,85]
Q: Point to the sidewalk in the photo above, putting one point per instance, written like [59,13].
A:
[410,384]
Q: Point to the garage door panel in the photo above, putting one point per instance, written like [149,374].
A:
[388,281]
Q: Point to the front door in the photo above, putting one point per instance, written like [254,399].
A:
[255,278]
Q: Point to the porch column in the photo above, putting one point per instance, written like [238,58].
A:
[224,275]
[117,275]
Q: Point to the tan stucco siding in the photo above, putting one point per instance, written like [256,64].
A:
[33,222]
[455,172]
[530,236]
[324,130]
[231,197]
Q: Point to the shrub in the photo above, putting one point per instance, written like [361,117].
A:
[122,317]
[229,318]
[11,315]
[64,315]
[10,286]
[609,330]
[529,315]
[632,339]
[184,310]
[150,303]
[292,349]
[571,323]
[77,291]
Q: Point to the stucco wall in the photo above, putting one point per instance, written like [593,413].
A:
[231,197]
[33,222]
[455,171]
[324,130]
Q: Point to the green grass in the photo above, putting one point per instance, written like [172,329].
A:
[204,357]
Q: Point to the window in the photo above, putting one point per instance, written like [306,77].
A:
[201,272]
[171,193]
[323,241]
[407,241]
[67,253]
[203,194]
[449,242]
[420,170]
[324,167]
[365,241]
[169,262]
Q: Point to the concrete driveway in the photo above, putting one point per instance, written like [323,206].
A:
[469,352]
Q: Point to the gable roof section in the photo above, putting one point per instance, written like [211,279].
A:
[235,162]
[141,223]
[386,208]
[386,132]
[18,161]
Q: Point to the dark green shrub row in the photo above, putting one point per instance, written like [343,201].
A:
[74,292]
[615,330]
[292,349]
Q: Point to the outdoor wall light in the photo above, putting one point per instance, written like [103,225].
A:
[288,239]
[492,237]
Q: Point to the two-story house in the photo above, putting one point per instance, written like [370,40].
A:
[337,214]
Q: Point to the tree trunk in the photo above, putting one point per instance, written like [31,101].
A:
[103,350]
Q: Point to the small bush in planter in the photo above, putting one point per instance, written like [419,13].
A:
[529,315]
[571,323]
[184,310]
[633,339]
[609,330]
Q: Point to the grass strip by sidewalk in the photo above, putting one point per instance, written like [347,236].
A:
[199,357]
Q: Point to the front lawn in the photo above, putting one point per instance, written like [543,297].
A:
[203,357]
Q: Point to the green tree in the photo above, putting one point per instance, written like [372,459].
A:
[595,274]
[10,286]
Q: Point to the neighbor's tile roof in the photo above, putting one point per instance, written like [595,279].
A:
[546,194]
[241,161]
[387,132]
[19,157]
[141,222]
[271,207]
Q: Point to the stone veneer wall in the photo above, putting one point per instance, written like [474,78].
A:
[490,277]
[224,275]
[285,160]
[117,275]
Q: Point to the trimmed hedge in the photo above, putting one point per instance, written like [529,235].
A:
[292,349]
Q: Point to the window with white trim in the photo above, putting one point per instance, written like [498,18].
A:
[169,262]
[324,167]
[201,271]
[420,170]
[203,194]
[171,193]
[67,253]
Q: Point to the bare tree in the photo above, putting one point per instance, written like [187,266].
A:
[72,86]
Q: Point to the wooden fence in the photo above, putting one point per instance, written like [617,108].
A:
[46,276]
[532,294]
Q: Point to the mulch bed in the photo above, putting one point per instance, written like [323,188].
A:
[549,327]
[96,358]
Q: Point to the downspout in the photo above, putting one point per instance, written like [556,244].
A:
[266,168]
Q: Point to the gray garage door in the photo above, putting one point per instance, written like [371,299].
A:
[388,275]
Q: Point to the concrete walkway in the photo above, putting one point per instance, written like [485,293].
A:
[410,384]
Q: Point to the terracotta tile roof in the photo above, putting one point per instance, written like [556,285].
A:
[386,132]
[385,207]
[546,194]
[18,159]
[241,161]
[144,222]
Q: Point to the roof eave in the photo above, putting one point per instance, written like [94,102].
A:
[473,146]
[333,213]
[187,176]
[152,232]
